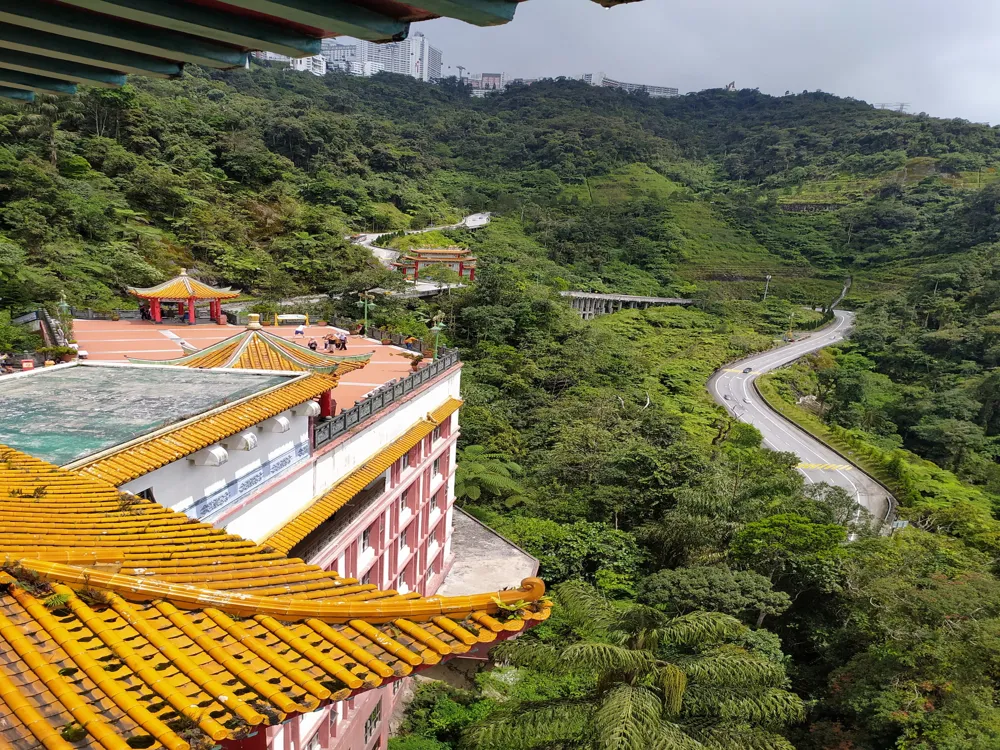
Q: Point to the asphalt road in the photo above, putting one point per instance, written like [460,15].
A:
[732,388]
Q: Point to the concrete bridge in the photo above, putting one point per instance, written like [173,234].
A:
[590,304]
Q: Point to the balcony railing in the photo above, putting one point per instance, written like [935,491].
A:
[329,429]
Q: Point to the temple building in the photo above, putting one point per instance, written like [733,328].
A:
[457,259]
[196,553]
[184,293]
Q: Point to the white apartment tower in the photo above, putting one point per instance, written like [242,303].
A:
[414,57]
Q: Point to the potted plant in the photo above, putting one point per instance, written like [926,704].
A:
[60,353]
[386,342]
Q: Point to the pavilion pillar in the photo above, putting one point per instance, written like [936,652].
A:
[180,309]
[472,274]
[154,311]
[416,269]
[326,404]
[461,269]
[191,310]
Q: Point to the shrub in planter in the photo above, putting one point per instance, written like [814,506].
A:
[61,353]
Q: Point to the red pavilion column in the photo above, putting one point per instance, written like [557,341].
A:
[416,269]
[154,310]
[326,404]
[180,309]
[191,310]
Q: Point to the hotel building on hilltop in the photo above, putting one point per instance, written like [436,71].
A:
[234,556]
[599,79]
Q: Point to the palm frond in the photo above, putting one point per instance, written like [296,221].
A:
[604,657]
[536,725]
[670,736]
[530,654]
[627,719]
[735,670]
[673,682]
[740,737]
[583,604]
[700,628]
[768,707]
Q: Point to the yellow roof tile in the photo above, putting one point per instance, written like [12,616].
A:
[324,506]
[257,349]
[183,288]
[179,631]
[134,460]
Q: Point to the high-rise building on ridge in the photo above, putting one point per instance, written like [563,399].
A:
[599,79]
[414,57]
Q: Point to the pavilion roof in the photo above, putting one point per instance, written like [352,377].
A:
[125,624]
[257,349]
[183,288]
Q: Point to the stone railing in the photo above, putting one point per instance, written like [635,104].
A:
[329,429]
[380,334]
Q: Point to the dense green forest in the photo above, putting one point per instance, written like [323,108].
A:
[707,598]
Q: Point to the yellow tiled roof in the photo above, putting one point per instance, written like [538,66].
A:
[124,624]
[133,461]
[183,288]
[257,349]
[293,532]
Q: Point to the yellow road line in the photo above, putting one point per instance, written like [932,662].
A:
[825,467]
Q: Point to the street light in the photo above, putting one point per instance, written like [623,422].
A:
[436,330]
[365,301]
[767,283]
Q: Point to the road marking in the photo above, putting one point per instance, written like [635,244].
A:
[825,467]
[741,372]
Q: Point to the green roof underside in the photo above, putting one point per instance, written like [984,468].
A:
[50,47]
[63,415]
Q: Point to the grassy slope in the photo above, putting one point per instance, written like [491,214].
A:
[925,491]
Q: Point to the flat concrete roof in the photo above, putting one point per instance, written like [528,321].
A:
[66,413]
[484,560]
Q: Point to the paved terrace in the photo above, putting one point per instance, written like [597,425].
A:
[114,340]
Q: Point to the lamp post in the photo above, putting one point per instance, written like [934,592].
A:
[365,301]
[767,283]
[436,330]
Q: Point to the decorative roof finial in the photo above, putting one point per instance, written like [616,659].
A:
[253,322]
[184,272]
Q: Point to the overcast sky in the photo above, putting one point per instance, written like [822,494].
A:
[940,57]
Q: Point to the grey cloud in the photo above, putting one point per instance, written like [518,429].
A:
[939,57]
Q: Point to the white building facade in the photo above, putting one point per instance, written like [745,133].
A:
[599,79]
[414,57]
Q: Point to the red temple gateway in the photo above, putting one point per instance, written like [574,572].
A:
[458,259]
[185,292]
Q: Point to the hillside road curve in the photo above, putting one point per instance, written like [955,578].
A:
[733,388]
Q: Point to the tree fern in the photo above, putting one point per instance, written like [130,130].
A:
[651,681]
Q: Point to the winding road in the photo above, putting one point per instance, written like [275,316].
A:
[733,388]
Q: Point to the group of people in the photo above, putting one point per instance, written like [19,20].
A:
[331,342]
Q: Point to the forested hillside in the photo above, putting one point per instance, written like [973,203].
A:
[707,597]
